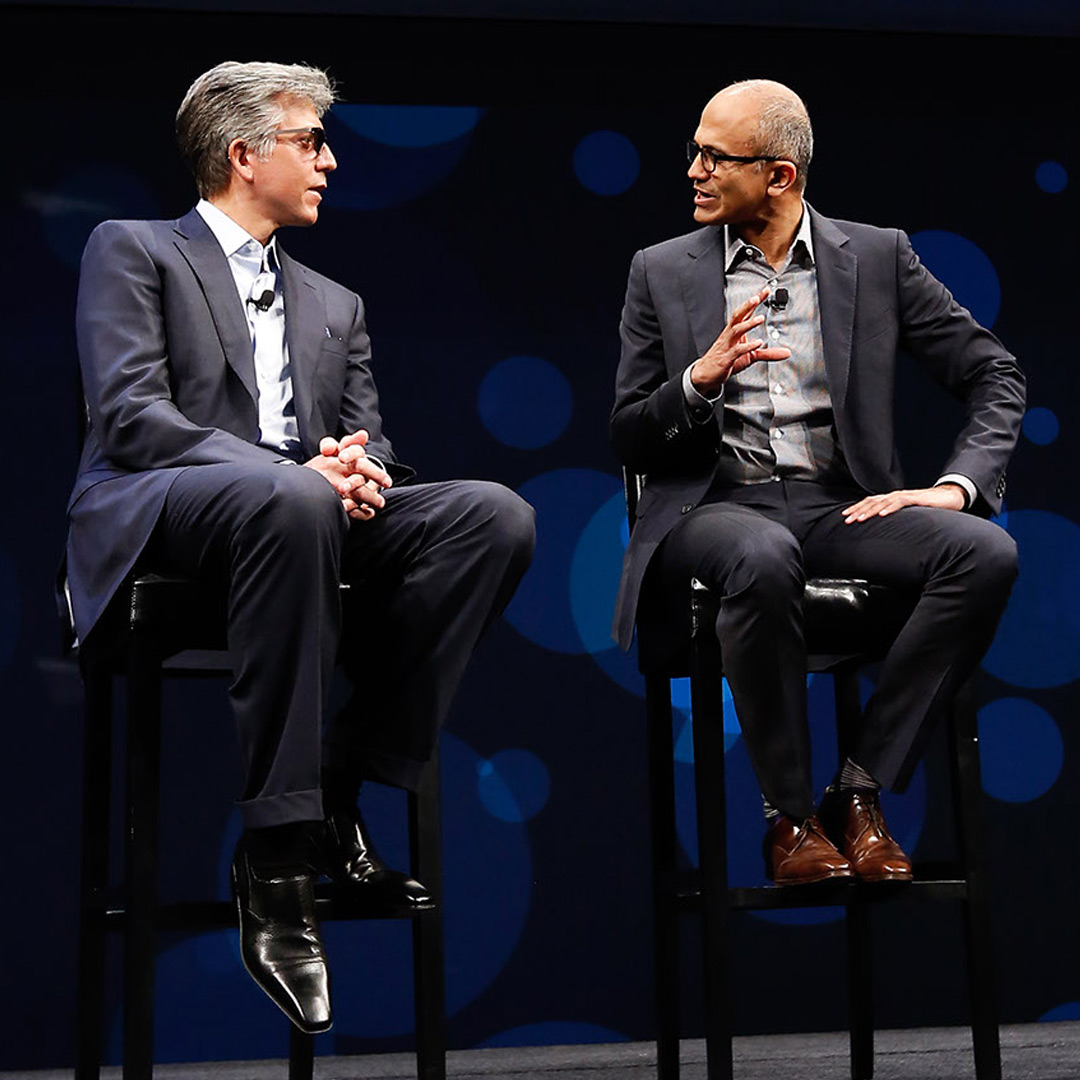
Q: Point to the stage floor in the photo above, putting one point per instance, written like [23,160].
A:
[1029,1052]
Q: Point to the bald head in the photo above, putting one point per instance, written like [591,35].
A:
[776,121]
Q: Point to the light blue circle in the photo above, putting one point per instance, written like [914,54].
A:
[964,268]
[565,502]
[1038,641]
[1020,750]
[525,402]
[376,171]
[606,162]
[409,126]
[1070,1010]
[85,198]
[513,785]
[1052,177]
[554,1033]
[1040,425]
[10,605]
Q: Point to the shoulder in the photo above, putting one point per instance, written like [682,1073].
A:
[112,235]
[863,237]
[680,246]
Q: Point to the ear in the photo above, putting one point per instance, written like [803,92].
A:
[782,177]
[239,158]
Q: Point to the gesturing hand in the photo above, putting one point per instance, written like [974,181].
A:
[945,496]
[733,351]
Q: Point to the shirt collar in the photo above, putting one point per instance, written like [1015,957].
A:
[231,236]
[734,244]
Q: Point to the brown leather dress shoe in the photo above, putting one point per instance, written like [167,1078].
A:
[801,854]
[854,822]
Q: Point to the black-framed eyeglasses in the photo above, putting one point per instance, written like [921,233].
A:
[315,141]
[709,156]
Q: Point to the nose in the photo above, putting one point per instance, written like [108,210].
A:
[326,160]
[697,170]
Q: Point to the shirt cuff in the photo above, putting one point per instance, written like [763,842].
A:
[701,407]
[962,481]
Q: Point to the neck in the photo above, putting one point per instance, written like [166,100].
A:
[773,235]
[245,214]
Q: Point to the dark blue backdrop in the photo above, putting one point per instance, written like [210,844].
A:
[494,182]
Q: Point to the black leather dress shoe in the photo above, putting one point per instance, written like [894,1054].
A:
[347,856]
[280,942]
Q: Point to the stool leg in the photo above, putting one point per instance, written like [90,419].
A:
[707,701]
[978,934]
[140,923]
[429,987]
[301,1054]
[860,950]
[97,766]
[664,841]
[860,988]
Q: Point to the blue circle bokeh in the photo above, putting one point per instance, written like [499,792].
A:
[1038,641]
[85,198]
[389,155]
[513,785]
[542,609]
[1052,177]
[1040,425]
[1069,1010]
[525,402]
[409,126]
[1020,750]
[964,268]
[606,162]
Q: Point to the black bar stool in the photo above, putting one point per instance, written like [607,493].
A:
[848,624]
[174,626]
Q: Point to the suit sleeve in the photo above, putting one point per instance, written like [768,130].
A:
[360,398]
[123,353]
[651,427]
[973,365]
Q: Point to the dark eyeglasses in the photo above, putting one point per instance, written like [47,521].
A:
[315,141]
[709,156]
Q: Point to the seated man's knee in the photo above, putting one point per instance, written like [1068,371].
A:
[294,499]
[769,564]
[508,521]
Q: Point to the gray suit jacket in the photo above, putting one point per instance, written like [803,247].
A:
[876,300]
[169,380]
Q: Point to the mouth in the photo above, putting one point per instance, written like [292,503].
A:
[702,197]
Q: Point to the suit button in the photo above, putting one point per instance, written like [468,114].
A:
[686,508]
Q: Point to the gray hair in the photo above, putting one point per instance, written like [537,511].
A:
[241,101]
[784,130]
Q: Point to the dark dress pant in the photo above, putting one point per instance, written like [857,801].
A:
[755,545]
[427,574]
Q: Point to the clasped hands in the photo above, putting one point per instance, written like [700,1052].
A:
[356,478]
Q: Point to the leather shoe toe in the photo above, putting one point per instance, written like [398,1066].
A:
[280,942]
[347,856]
[801,854]
[854,822]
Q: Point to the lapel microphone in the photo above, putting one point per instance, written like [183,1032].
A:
[778,300]
[264,302]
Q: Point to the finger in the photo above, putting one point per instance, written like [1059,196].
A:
[357,438]
[352,453]
[745,326]
[328,446]
[367,468]
[746,307]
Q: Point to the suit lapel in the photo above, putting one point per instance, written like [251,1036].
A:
[305,331]
[703,287]
[838,278]
[203,253]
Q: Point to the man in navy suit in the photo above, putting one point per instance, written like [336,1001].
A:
[755,390]
[235,436]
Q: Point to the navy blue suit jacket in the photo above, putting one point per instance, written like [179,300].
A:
[169,380]
[877,301]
